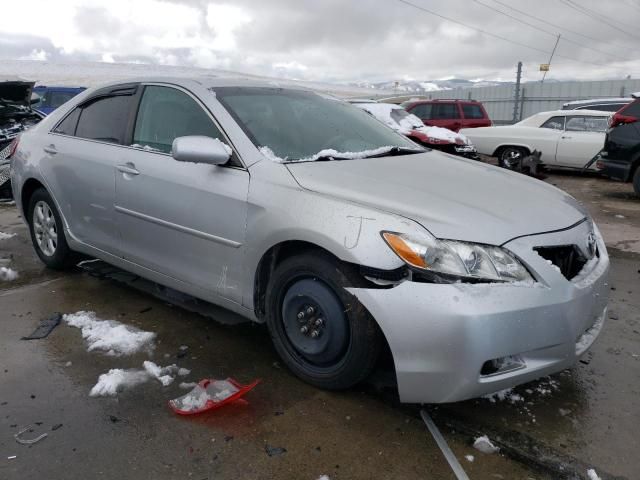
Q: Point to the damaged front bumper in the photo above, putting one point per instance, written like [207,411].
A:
[452,342]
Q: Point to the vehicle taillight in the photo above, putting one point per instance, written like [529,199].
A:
[13,146]
[619,119]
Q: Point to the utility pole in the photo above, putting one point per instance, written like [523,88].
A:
[516,99]
[550,58]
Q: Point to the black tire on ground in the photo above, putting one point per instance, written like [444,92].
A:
[636,181]
[347,346]
[509,157]
[61,257]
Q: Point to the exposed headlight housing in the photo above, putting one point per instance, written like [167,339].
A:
[463,260]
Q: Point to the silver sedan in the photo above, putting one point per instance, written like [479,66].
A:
[299,210]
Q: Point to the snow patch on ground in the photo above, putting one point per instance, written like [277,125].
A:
[591,473]
[116,380]
[5,236]
[7,274]
[484,445]
[112,337]
[470,458]
[165,375]
[187,385]
[507,394]
[183,372]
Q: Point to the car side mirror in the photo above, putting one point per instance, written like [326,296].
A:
[200,149]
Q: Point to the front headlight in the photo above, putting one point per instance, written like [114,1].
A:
[460,259]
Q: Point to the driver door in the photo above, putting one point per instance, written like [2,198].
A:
[183,220]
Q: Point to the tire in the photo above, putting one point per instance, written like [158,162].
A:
[348,344]
[510,157]
[47,232]
[636,181]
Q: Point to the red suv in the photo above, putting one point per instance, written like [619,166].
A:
[451,114]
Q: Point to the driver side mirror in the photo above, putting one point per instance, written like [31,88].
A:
[200,149]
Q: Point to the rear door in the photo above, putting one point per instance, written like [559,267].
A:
[582,139]
[474,116]
[445,115]
[184,220]
[83,150]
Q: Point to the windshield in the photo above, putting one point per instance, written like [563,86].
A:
[298,125]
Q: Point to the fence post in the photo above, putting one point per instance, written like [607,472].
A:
[522,103]
[516,98]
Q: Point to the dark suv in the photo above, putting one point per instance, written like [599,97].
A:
[621,155]
[451,114]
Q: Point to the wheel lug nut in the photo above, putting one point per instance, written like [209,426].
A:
[319,322]
[300,315]
[310,310]
[304,329]
[315,334]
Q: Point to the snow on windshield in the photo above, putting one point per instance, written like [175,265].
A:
[404,122]
[329,152]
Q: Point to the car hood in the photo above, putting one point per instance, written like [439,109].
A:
[450,196]
[17,92]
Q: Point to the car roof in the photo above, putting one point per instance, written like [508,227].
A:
[543,116]
[206,81]
[448,100]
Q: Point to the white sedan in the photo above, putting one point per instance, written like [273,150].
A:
[566,138]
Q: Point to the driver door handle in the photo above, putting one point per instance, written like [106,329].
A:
[51,149]
[128,168]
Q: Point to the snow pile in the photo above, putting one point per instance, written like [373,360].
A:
[5,236]
[109,336]
[183,372]
[484,445]
[470,458]
[7,274]
[115,380]
[440,133]
[194,400]
[591,473]
[329,152]
[165,375]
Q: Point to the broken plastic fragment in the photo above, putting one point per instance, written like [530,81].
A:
[25,441]
[209,395]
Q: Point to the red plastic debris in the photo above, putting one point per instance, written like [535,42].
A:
[210,394]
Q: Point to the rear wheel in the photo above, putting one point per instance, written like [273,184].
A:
[321,331]
[47,232]
[511,157]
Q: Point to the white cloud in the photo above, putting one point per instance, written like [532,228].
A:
[224,20]
[36,54]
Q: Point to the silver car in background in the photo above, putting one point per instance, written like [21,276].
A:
[299,210]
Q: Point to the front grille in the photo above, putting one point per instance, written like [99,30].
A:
[566,257]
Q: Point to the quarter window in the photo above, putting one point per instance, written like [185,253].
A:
[68,125]
[105,119]
[554,123]
[166,113]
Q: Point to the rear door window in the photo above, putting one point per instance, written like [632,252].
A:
[471,111]
[444,111]
[166,113]
[633,109]
[422,110]
[105,119]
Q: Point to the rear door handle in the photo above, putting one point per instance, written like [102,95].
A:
[128,168]
[51,149]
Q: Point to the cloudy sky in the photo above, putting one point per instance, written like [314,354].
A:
[334,40]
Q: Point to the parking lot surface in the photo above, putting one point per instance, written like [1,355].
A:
[586,416]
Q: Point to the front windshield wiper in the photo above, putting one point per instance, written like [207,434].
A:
[396,151]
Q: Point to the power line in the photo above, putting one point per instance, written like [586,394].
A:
[490,34]
[544,30]
[596,16]
[559,26]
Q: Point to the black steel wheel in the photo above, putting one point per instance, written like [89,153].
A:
[321,331]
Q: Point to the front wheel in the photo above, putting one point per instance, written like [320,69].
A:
[511,157]
[47,232]
[321,332]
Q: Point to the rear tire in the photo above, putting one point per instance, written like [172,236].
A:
[345,346]
[47,232]
[511,157]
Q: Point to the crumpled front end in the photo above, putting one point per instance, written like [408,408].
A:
[452,342]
